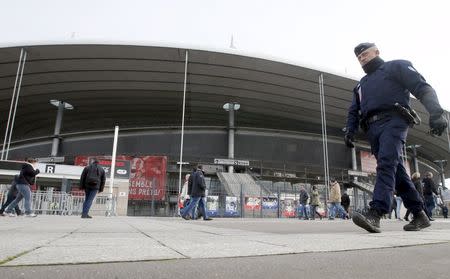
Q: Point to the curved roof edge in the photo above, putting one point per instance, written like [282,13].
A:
[183,46]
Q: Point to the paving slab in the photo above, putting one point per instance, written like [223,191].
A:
[59,240]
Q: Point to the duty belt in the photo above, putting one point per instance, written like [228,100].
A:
[379,116]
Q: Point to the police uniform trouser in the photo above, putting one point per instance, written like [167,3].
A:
[387,137]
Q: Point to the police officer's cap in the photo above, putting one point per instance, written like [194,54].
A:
[362,47]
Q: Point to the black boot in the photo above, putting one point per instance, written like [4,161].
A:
[419,221]
[369,221]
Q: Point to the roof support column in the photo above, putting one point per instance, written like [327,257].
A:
[58,124]
[231,107]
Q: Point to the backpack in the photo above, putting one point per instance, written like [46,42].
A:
[93,176]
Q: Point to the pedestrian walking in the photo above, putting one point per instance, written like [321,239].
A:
[198,197]
[381,104]
[303,201]
[335,201]
[345,201]
[11,196]
[184,197]
[314,203]
[415,178]
[27,177]
[398,207]
[429,192]
[92,181]
[393,207]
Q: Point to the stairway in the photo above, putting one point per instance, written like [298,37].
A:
[232,183]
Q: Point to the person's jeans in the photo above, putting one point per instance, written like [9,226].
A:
[202,207]
[185,205]
[429,204]
[89,198]
[24,192]
[399,206]
[303,211]
[313,211]
[9,199]
[337,208]
[190,208]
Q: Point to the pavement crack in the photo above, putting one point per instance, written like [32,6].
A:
[11,258]
[269,243]
[213,233]
[157,240]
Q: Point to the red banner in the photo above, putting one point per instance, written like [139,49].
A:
[147,177]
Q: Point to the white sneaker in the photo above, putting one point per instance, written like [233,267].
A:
[12,214]
[30,215]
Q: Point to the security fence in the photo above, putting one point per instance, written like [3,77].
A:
[60,203]
[272,199]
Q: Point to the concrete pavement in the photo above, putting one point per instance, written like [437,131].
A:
[62,240]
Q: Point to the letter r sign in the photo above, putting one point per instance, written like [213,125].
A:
[50,168]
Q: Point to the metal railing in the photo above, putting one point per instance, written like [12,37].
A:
[61,203]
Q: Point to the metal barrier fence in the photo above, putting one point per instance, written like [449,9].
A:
[282,203]
[61,203]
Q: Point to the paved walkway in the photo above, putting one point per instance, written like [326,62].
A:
[57,240]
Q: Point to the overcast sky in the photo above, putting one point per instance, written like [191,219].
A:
[319,33]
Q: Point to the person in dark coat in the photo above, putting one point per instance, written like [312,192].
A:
[415,177]
[11,196]
[393,207]
[92,181]
[26,178]
[345,201]
[381,105]
[429,190]
[303,200]
[198,197]
[444,210]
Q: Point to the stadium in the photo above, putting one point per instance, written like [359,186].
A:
[279,123]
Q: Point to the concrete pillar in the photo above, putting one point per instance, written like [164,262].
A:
[58,124]
[231,136]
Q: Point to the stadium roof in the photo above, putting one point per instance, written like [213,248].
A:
[142,86]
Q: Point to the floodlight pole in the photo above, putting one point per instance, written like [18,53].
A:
[324,138]
[182,123]
[110,210]
[15,101]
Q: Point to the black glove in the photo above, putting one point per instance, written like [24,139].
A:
[349,140]
[438,125]
[437,121]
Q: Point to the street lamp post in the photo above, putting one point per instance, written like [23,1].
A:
[231,107]
[59,116]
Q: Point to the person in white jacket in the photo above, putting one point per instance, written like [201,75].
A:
[184,196]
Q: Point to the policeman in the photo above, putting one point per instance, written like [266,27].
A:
[375,101]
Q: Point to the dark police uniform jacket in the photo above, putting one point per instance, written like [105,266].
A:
[390,83]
